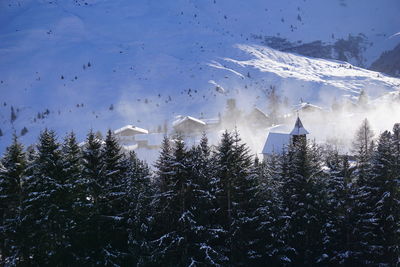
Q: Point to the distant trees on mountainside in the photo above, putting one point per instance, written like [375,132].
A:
[93,205]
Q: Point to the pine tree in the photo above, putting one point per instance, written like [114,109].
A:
[274,105]
[396,148]
[224,168]
[396,184]
[93,170]
[237,185]
[113,160]
[2,219]
[140,219]
[386,203]
[269,246]
[204,206]
[163,178]
[78,205]
[113,202]
[172,246]
[72,168]
[13,115]
[303,202]
[12,171]
[93,177]
[31,156]
[232,114]
[24,131]
[164,166]
[338,227]
[185,201]
[44,215]
[103,169]
[363,99]
[363,146]
[245,203]
[364,199]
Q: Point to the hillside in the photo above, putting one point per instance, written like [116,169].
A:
[388,62]
[99,64]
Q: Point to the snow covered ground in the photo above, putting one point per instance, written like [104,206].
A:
[103,64]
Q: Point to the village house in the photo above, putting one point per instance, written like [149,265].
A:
[187,125]
[258,119]
[127,136]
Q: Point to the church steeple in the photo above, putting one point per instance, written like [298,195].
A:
[299,128]
[299,132]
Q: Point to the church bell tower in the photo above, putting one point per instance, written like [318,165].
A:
[299,133]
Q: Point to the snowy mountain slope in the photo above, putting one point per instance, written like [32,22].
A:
[327,77]
[312,80]
[99,64]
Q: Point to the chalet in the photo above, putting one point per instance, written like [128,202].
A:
[128,132]
[276,142]
[127,136]
[187,125]
[308,108]
[212,124]
[257,118]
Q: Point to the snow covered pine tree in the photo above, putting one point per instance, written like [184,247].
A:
[12,172]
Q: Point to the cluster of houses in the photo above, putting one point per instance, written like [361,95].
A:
[132,137]
[147,143]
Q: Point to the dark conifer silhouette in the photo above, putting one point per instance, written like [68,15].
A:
[96,204]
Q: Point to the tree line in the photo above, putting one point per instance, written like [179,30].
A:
[94,205]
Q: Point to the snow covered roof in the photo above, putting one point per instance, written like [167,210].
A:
[298,128]
[211,121]
[307,107]
[279,128]
[181,120]
[276,142]
[256,109]
[130,130]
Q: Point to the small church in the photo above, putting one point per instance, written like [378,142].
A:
[277,142]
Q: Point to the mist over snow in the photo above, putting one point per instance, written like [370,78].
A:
[98,64]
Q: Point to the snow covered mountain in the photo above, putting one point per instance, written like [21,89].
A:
[76,65]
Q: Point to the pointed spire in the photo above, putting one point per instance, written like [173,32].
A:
[299,128]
